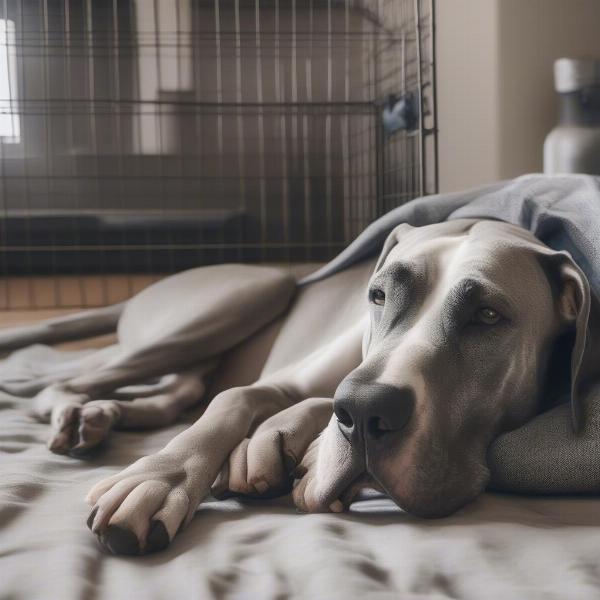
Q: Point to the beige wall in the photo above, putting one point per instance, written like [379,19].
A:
[495,88]
[467,92]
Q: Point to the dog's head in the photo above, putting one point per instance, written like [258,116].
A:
[468,324]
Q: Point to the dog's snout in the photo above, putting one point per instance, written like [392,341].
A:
[372,410]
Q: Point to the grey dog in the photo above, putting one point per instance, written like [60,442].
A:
[467,330]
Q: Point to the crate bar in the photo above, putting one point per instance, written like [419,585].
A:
[328,145]
[117,127]
[6,289]
[345,124]
[261,128]
[280,98]
[240,119]
[305,132]
[421,141]
[219,74]
[433,71]
[25,144]
[48,132]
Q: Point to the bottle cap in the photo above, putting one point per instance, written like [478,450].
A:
[572,74]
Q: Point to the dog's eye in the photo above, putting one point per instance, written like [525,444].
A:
[377,296]
[487,316]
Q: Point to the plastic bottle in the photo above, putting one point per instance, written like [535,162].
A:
[573,146]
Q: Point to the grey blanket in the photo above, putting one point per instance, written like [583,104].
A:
[545,455]
[563,211]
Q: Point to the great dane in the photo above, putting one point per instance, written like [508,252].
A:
[467,329]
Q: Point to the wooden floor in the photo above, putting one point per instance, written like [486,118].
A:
[35,293]
[24,300]
[75,291]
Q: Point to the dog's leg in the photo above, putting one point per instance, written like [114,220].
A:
[140,509]
[79,427]
[217,308]
[77,326]
[25,382]
[97,321]
[265,463]
[127,367]
[83,410]
[62,401]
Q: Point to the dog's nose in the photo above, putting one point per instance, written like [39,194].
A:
[372,410]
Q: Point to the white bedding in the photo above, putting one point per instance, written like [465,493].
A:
[499,547]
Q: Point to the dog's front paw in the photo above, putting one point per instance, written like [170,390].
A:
[141,509]
[263,465]
[307,493]
[242,475]
[78,427]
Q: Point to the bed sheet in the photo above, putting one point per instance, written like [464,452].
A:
[498,547]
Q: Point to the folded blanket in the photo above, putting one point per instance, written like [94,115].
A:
[545,456]
[563,211]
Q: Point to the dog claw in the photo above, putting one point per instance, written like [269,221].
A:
[119,541]
[79,451]
[57,444]
[84,448]
[158,537]
[223,494]
[91,518]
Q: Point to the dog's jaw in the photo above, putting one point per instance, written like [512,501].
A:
[329,469]
[333,471]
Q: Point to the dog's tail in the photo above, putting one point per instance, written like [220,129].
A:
[88,323]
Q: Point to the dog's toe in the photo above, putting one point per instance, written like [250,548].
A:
[140,510]
[119,541]
[64,422]
[80,429]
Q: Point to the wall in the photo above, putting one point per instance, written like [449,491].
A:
[467,88]
[495,83]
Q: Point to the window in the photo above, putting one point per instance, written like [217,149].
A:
[9,118]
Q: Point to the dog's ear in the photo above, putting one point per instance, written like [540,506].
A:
[577,308]
[392,240]
[415,234]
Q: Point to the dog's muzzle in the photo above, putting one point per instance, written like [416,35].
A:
[367,412]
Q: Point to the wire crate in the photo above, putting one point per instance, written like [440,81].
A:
[142,137]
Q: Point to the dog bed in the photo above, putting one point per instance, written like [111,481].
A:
[497,547]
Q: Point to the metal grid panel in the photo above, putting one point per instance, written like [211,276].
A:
[147,136]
